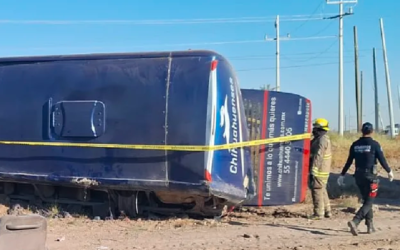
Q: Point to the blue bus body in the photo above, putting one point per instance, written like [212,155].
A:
[165,98]
[280,169]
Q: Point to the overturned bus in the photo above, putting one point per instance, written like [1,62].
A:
[280,169]
[65,121]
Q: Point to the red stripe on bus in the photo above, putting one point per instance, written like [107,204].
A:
[306,158]
[262,150]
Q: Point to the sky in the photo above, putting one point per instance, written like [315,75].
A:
[309,67]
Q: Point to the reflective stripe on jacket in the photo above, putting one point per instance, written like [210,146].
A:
[321,158]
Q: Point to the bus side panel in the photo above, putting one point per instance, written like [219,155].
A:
[248,168]
[254,109]
[133,92]
[230,166]
[187,111]
[282,167]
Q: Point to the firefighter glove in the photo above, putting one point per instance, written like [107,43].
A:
[390,175]
[340,180]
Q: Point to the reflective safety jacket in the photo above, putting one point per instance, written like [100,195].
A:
[321,157]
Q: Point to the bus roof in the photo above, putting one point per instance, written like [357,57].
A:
[103,56]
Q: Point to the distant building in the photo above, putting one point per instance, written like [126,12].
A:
[396,129]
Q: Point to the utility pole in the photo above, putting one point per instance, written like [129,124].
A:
[375,91]
[278,40]
[357,82]
[349,121]
[278,76]
[340,16]
[381,119]
[341,69]
[398,94]
[361,97]
[388,86]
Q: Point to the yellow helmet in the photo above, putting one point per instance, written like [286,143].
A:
[322,124]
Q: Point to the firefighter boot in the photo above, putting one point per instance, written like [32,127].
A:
[370,227]
[315,217]
[328,214]
[353,224]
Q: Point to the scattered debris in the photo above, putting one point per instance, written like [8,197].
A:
[284,213]
[15,209]
[122,215]
[246,236]
[85,182]
[350,210]
[66,215]
[61,239]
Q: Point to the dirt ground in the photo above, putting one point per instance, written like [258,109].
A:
[274,228]
[270,228]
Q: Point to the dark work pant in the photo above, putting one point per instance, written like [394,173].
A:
[368,189]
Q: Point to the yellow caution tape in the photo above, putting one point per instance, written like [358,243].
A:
[163,147]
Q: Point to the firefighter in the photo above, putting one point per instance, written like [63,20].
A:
[320,166]
[365,151]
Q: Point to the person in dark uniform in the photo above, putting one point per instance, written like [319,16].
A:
[365,151]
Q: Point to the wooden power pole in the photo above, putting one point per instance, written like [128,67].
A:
[361,96]
[357,82]
[376,91]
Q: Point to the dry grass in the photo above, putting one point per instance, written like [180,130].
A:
[341,146]
[348,202]
[340,152]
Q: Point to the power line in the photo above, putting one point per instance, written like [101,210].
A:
[296,54]
[348,50]
[185,44]
[316,34]
[159,22]
[323,29]
[306,21]
[293,66]
[303,38]
[293,18]
[271,57]
[318,54]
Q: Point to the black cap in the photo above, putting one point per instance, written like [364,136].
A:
[367,128]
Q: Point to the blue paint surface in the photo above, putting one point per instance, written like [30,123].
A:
[148,98]
[233,165]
